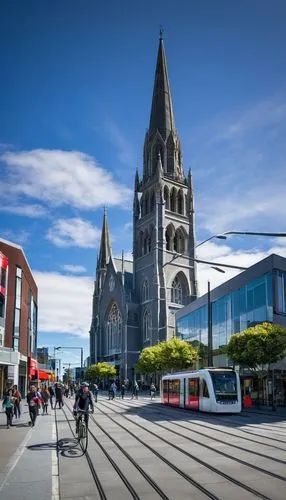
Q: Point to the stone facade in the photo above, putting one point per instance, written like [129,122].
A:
[134,303]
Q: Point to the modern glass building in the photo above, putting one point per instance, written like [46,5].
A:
[255,295]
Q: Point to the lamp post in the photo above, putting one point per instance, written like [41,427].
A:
[66,347]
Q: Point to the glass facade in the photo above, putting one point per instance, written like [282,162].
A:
[231,313]
[281,292]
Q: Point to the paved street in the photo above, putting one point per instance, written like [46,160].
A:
[140,449]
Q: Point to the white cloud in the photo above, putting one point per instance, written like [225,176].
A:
[65,303]
[74,232]
[224,254]
[75,269]
[33,210]
[61,177]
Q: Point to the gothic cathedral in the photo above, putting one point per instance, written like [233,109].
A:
[134,303]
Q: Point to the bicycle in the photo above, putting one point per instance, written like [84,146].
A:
[82,429]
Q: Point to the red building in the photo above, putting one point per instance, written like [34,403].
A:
[18,323]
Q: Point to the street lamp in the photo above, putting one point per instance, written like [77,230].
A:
[225,234]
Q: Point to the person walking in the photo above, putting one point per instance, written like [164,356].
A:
[45,400]
[17,400]
[152,390]
[135,390]
[95,392]
[8,405]
[123,388]
[34,402]
[51,393]
[59,396]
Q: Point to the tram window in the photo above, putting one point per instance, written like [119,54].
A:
[193,387]
[205,391]
[174,386]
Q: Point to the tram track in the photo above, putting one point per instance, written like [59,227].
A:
[96,479]
[118,470]
[182,426]
[189,455]
[222,419]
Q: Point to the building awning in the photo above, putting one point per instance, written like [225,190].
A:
[42,375]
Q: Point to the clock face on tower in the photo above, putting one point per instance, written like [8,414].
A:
[111,283]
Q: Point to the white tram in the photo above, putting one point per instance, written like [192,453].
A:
[215,390]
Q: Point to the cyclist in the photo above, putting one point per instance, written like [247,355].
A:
[83,401]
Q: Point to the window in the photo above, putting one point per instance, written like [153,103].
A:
[147,326]
[2,306]
[18,272]
[16,344]
[17,323]
[173,200]
[181,203]
[113,330]
[177,292]
[204,389]
[193,387]
[18,291]
[3,277]
[145,291]
[281,292]
[167,198]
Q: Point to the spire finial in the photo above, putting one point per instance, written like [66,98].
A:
[161,32]
[104,210]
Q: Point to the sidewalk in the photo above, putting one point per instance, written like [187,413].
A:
[28,459]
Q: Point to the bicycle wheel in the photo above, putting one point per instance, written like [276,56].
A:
[83,436]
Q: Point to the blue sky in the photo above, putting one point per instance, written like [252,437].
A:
[76,87]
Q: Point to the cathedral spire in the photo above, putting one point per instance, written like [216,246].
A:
[162,117]
[105,249]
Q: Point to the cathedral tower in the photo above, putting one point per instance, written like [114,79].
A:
[163,218]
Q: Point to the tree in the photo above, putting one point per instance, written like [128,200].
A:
[100,371]
[174,354]
[149,360]
[257,346]
[177,354]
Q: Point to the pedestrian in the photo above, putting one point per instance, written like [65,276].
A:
[135,390]
[152,390]
[34,402]
[95,392]
[45,400]
[59,396]
[52,393]
[8,405]
[114,390]
[17,400]
[123,388]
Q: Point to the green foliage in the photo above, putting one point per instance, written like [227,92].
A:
[259,345]
[174,354]
[100,370]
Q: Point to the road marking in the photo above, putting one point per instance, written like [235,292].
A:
[55,466]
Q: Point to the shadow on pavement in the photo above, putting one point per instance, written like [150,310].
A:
[69,447]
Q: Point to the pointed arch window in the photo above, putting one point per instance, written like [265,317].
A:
[177,291]
[145,291]
[167,197]
[147,325]
[173,200]
[113,330]
[180,203]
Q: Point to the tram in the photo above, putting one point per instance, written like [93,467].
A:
[215,390]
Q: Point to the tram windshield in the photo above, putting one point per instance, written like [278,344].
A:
[225,385]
